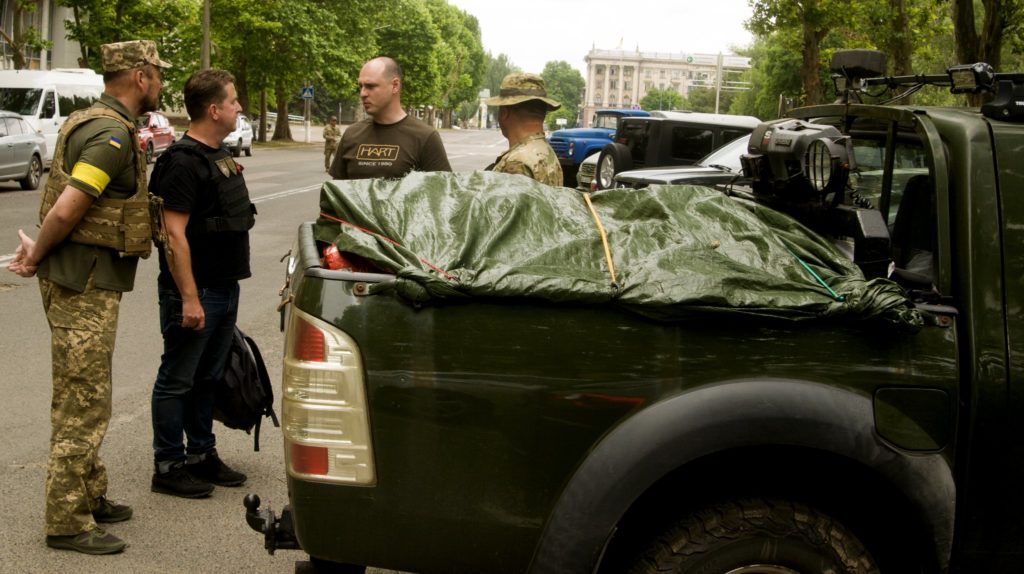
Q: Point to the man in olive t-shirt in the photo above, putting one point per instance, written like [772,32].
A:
[81,286]
[389,143]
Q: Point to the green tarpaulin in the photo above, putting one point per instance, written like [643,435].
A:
[676,250]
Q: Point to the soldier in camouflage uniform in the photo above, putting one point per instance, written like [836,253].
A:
[90,239]
[524,103]
[332,135]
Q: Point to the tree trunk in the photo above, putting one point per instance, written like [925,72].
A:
[964,33]
[901,47]
[972,47]
[262,136]
[282,130]
[809,70]
[242,84]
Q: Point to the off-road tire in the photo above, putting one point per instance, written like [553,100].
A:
[614,158]
[756,536]
[35,173]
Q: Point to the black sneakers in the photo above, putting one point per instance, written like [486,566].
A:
[178,481]
[213,470]
[109,511]
[95,541]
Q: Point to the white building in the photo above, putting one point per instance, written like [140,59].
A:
[621,78]
[49,19]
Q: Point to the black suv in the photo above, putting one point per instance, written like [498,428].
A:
[667,139]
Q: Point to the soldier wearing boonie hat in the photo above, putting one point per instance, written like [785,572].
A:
[523,105]
[94,227]
[132,54]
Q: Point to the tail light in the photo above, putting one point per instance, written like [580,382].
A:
[326,427]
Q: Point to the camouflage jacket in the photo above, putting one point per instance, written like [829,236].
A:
[534,158]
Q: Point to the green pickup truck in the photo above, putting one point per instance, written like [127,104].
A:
[526,434]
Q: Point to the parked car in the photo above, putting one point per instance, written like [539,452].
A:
[719,166]
[22,150]
[45,98]
[574,145]
[155,134]
[241,139]
[667,138]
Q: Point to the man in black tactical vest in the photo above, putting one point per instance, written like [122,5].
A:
[95,225]
[207,217]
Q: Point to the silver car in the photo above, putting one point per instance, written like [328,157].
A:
[22,150]
[241,139]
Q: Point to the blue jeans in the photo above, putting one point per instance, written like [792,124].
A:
[192,362]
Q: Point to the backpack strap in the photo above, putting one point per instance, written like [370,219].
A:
[261,367]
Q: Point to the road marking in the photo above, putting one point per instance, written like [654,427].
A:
[4,259]
[287,193]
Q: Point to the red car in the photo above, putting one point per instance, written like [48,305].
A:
[155,134]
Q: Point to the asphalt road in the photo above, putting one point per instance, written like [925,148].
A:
[167,534]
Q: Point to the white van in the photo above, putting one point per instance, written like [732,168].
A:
[46,98]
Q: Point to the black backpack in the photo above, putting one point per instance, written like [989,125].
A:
[244,396]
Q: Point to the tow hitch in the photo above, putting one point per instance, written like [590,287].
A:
[277,532]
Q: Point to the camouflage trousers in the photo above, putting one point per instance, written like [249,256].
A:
[83,327]
[329,149]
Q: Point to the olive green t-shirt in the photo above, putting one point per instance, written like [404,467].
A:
[100,157]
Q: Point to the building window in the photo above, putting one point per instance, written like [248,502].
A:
[648,86]
[627,86]
[613,84]
[647,73]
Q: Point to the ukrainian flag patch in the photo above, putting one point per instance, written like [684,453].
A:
[115,142]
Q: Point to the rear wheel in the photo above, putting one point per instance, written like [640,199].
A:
[756,536]
[35,172]
[613,159]
[237,151]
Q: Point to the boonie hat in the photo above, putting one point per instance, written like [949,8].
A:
[517,88]
[132,54]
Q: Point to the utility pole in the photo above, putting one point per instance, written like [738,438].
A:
[204,58]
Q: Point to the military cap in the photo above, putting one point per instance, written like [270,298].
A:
[517,88]
[127,55]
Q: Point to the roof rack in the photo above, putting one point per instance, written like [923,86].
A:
[853,71]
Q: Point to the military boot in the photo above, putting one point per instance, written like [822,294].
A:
[109,511]
[96,541]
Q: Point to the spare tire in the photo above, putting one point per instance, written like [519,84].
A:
[614,158]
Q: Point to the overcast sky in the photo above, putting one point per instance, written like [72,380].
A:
[534,32]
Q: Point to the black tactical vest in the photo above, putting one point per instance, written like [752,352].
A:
[218,239]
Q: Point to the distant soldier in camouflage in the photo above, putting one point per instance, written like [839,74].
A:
[95,225]
[332,135]
[523,104]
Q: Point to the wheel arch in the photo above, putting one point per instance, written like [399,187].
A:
[726,422]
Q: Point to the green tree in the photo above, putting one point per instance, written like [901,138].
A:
[774,75]
[703,100]
[661,99]
[411,38]
[461,56]
[814,19]
[564,84]
[98,22]
[495,70]
[24,36]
